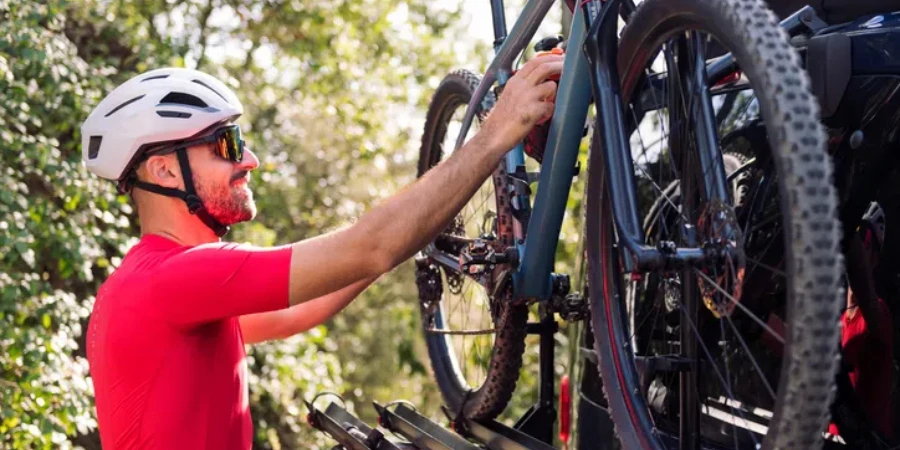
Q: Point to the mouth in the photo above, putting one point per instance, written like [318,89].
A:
[240,179]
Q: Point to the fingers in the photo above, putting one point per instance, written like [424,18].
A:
[545,70]
[546,112]
[538,69]
[528,99]
[546,91]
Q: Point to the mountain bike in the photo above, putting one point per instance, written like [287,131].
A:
[712,236]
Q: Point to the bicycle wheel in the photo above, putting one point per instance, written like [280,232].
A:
[475,337]
[741,352]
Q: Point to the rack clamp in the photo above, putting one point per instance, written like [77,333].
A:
[350,432]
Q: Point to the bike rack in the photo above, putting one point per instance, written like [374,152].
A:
[534,431]
[420,432]
[350,432]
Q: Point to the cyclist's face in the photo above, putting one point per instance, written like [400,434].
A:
[223,185]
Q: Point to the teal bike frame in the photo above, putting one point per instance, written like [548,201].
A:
[537,233]
[590,74]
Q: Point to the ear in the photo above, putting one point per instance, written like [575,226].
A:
[163,170]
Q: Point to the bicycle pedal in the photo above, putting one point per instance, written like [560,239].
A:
[479,253]
[572,307]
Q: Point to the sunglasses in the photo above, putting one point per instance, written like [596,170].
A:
[228,144]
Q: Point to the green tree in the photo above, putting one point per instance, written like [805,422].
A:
[62,230]
[331,91]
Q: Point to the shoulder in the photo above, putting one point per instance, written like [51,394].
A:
[222,253]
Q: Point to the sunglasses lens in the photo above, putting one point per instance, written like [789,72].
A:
[229,144]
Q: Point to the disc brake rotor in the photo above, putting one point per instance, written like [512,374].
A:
[722,284]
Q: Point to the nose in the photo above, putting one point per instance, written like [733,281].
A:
[249,161]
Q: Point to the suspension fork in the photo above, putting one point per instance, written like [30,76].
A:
[703,185]
[601,51]
[703,182]
[702,117]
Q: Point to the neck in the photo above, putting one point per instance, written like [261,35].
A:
[173,221]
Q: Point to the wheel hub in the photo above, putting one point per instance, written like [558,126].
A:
[721,279]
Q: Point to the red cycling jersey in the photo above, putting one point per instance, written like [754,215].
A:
[165,347]
[870,354]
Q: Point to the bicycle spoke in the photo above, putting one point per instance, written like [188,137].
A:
[477,340]
[725,385]
[769,245]
[456,304]
[470,211]
[760,189]
[475,209]
[762,223]
[774,270]
[640,167]
[464,356]
[660,190]
[659,115]
[752,359]
[739,305]
[647,316]
[728,377]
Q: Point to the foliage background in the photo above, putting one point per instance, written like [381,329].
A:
[334,92]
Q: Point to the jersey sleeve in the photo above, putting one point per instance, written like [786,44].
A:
[215,281]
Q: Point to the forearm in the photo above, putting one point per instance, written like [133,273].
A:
[301,317]
[394,230]
[408,221]
[318,311]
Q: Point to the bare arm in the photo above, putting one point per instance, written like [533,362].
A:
[394,230]
[285,323]
[861,292]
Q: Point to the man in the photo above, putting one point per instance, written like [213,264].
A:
[866,342]
[166,337]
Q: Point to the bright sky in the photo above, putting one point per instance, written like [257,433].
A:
[477,16]
[475,21]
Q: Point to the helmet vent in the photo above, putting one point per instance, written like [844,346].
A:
[214,91]
[180,98]
[176,114]
[155,77]
[124,105]
[94,146]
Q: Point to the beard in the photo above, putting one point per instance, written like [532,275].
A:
[230,203]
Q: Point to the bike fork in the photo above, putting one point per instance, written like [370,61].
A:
[601,51]
[710,186]
[601,48]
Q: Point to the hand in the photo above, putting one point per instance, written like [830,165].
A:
[527,100]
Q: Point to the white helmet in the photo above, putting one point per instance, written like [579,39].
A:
[159,106]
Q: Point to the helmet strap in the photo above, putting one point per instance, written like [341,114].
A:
[189,195]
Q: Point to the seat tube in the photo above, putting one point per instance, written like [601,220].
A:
[499,19]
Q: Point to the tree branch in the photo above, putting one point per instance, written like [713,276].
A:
[204,23]
[151,27]
[249,59]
